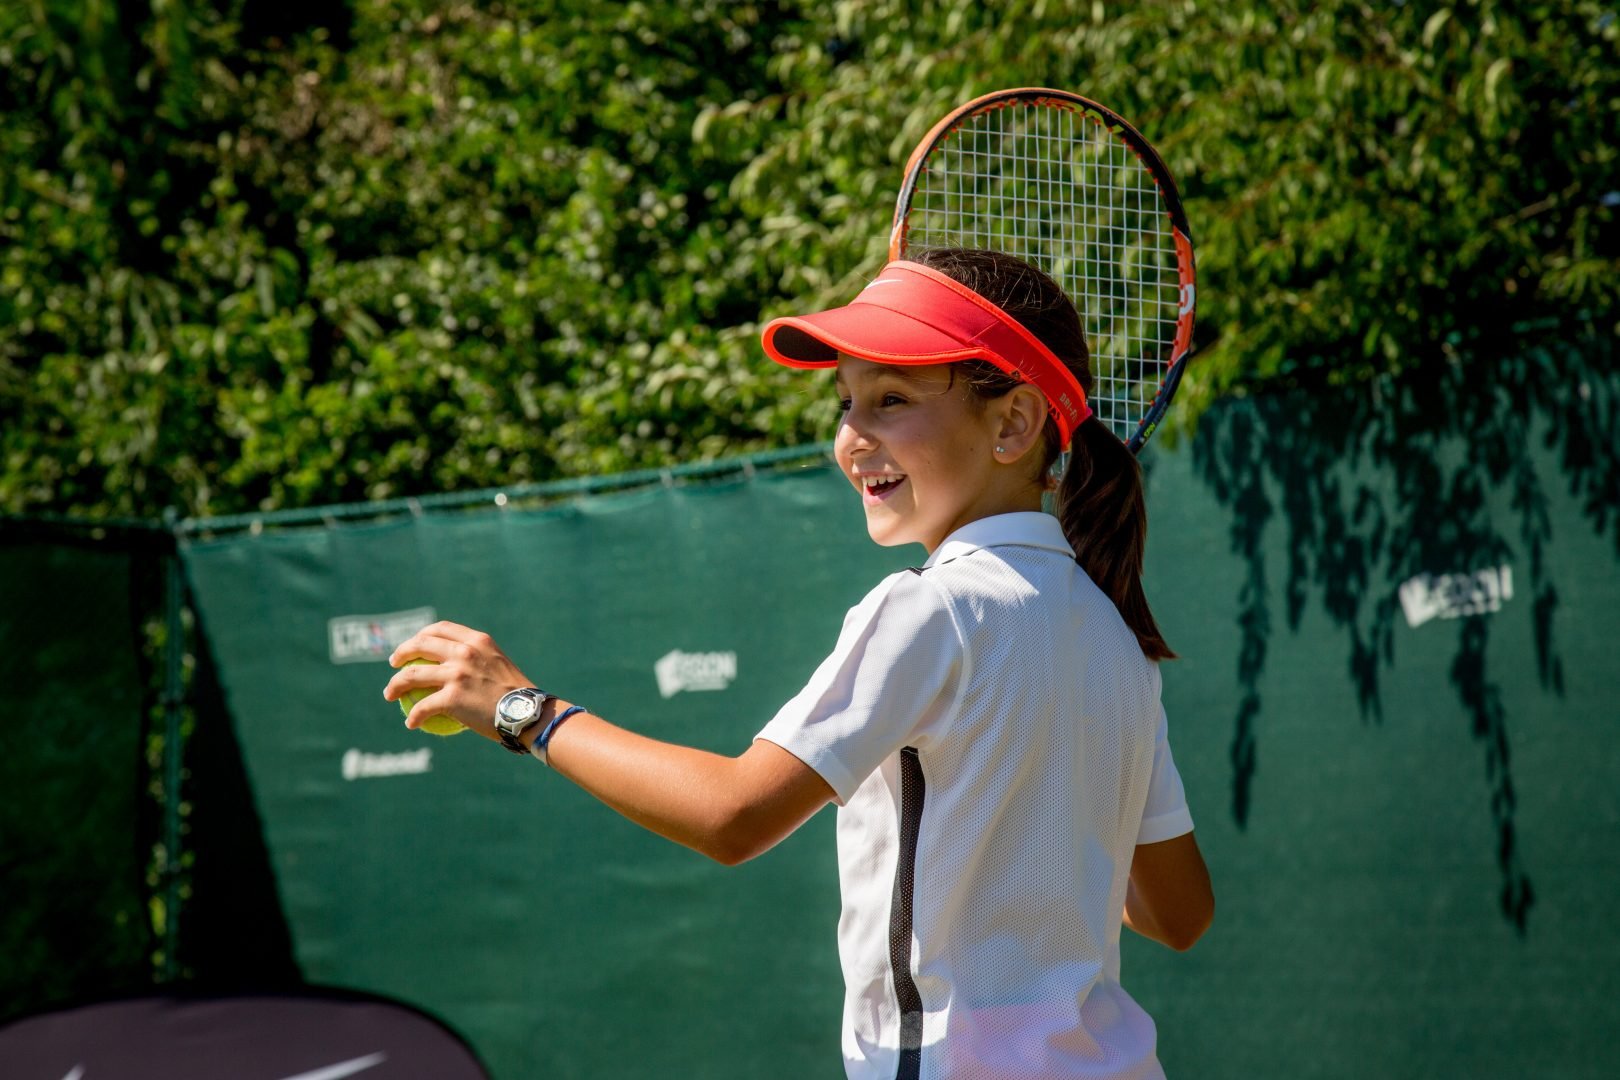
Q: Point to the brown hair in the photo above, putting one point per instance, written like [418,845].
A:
[1099,497]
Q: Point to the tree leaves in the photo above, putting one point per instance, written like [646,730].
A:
[429,245]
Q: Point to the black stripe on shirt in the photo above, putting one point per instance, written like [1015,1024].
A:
[912,790]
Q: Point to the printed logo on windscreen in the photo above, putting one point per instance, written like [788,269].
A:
[356,639]
[359,765]
[677,671]
[1452,596]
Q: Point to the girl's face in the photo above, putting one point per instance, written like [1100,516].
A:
[922,452]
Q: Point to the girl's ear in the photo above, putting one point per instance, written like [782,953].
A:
[1023,418]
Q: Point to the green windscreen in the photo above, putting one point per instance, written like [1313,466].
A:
[1394,714]
[1407,784]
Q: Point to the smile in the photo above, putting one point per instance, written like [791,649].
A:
[878,487]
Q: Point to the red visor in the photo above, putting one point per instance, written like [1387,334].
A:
[915,315]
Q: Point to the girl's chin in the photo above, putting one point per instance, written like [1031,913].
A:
[890,533]
[891,541]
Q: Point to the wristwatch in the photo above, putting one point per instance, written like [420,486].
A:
[517,712]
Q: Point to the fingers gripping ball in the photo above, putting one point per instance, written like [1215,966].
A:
[433,725]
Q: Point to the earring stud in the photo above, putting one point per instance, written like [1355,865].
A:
[1001,450]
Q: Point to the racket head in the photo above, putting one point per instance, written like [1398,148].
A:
[1071,187]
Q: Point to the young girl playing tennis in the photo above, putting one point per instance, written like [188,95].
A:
[989,722]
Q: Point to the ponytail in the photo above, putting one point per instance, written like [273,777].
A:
[1099,498]
[1104,516]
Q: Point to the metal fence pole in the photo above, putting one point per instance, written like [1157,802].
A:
[173,702]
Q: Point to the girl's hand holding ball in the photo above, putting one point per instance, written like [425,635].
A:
[461,670]
[433,725]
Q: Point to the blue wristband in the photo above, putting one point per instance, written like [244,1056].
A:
[543,743]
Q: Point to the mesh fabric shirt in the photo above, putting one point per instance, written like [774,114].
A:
[996,743]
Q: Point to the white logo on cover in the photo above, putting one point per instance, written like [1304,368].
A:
[330,1072]
[359,765]
[1451,596]
[677,671]
[357,638]
[343,1068]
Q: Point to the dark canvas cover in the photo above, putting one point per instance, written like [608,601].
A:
[314,1036]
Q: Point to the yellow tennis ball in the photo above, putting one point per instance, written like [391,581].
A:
[433,725]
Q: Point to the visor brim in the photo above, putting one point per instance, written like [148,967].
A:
[861,330]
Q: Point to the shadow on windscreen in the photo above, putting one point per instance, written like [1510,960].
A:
[1386,491]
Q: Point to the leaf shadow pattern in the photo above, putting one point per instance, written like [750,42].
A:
[1382,483]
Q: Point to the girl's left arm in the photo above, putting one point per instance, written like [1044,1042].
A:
[729,809]
[1169,898]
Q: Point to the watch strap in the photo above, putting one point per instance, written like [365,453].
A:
[542,743]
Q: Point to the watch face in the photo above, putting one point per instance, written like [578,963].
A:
[518,708]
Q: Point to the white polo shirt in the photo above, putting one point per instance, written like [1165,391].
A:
[996,742]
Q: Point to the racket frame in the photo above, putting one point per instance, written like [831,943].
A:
[1181,349]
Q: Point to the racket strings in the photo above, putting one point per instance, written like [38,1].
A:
[1052,185]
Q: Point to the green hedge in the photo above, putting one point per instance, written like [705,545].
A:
[256,255]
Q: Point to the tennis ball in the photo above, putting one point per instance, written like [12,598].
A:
[433,725]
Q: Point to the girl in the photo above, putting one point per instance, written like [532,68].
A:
[989,722]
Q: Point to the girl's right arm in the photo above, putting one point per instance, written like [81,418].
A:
[728,808]
[1169,898]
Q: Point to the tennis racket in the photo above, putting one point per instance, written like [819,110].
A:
[1061,182]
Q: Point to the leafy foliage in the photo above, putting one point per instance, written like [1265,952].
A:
[264,255]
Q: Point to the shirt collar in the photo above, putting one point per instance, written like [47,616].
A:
[1028,528]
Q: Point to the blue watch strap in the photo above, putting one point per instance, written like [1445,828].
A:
[542,744]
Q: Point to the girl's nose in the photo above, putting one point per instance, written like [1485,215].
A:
[853,436]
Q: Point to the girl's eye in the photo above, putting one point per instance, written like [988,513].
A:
[887,399]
